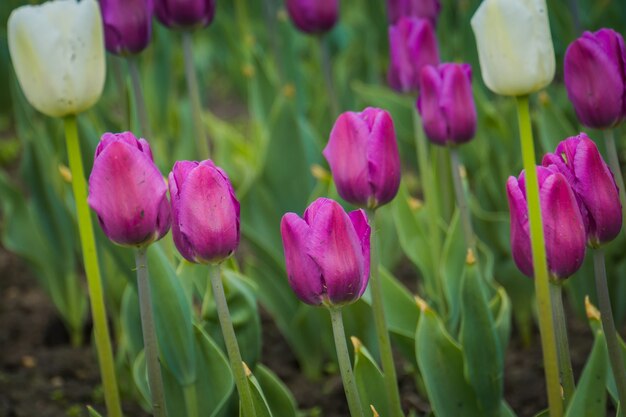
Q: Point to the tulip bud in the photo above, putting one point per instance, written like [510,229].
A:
[205,212]
[425,9]
[185,14]
[595,78]
[313,16]
[57,50]
[563,226]
[412,45]
[127,191]
[591,179]
[327,253]
[446,103]
[514,45]
[127,25]
[363,156]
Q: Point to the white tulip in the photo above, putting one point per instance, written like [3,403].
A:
[514,45]
[57,50]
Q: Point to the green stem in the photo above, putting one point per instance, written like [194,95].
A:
[616,168]
[345,366]
[191,400]
[432,205]
[90,259]
[140,102]
[328,74]
[384,344]
[232,348]
[466,221]
[540,265]
[155,380]
[193,89]
[560,328]
[608,325]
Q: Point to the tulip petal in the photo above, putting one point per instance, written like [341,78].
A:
[305,277]
[383,158]
[346,153]
[457,103]
[428,104]
[336,249]
[520,238]
[126,190]
[363,232]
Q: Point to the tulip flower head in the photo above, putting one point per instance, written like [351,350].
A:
[313,16]
[579,160]
[185,14]
[563,225]
[514,45]
[363,156]
[446,103]
[412,45]
[205,212]
[595,78]
[127,25]
[127,191]
[57,49]
[426,9]
[327,253]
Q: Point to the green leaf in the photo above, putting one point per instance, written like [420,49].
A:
[279,399]
[484,361]
[370,380]
[441,362]
[92,412]
[130,319]
[589,399]
[452,266]
[261,406]
[172,317]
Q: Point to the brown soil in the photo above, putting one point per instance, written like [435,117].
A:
[42,375]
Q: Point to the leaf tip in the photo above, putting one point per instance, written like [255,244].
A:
[356,343]
[592,311]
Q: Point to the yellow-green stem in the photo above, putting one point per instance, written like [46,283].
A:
[151,350]
[432,206]
[140,102]
[382,334]
[191,400]
[92,271]
[562,345]
[202,143]
[461,200]
[540,265]
[331,93]
[608,325]
[611,150]
[232,347]
[345,365]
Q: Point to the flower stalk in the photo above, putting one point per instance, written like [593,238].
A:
[140,102]
[565,361]
[193,89]
[382,334]
[155,380]
[461,200]
[323,41]
[92,271]
[611,150]
[540,265]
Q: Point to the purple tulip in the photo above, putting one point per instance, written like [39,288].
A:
[363,156]
[127,191]
[327,253]
[563,226]
[205,212]
[412,45]
[595,78]
[185,14]
[313,16]
[591,179]
[426,9]
[446,103]
[127,25]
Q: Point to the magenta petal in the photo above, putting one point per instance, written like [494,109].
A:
[363,232]
[207,217]
[346,153]
[428,105]
[126,190]
[520,239]
[336,249]
[383,158]
[304,275]
[181,242]
[563,227]
[457,103]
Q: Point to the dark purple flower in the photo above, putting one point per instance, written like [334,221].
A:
[363,156]
[127,25]
[313,16]
[327,253]
[205,212]
[595,78]
[185,13]
[127,191]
